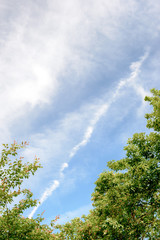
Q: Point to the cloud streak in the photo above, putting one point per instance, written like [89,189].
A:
[88,133]
[101,111]
[45,195]
[135,69]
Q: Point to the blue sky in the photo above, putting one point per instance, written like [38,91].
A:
[73,77]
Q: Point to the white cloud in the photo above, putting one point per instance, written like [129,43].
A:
[41,42]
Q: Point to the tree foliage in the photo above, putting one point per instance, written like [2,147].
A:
[12,174]
[126,199]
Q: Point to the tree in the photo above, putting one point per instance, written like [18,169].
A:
[126,200]
[12,173]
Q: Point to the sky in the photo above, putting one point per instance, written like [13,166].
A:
[73,77]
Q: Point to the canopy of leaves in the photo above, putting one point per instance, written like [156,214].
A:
[13,226]
[126,199]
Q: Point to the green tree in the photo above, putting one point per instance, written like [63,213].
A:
[126,199]
[12,174]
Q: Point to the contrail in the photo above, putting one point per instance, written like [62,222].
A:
[88,133]
[135,69]
[45,195]
[49,190]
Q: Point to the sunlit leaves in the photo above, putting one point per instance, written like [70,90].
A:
[12,173]
[126,200]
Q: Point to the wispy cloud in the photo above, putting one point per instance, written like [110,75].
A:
[40,43]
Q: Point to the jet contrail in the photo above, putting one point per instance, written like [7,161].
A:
[88,133]
[135,69]
[44,196]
